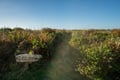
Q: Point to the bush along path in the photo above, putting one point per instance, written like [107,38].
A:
[67,55]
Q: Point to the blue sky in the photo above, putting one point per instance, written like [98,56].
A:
[60,14]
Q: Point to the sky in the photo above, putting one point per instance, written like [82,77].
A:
[60,14]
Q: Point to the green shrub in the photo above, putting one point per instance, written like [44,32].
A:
[99,54]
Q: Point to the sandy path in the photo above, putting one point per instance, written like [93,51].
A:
[61,67]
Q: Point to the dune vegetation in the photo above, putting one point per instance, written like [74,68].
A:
[66,54]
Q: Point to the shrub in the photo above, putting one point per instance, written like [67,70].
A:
[99,55]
